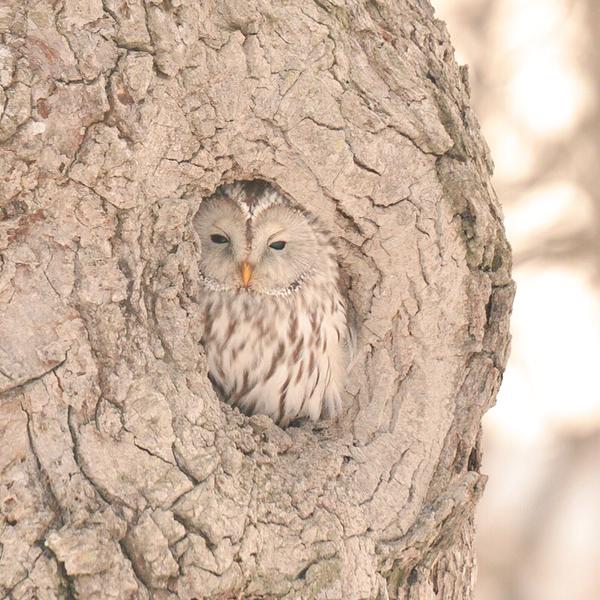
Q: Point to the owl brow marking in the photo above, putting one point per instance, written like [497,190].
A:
[275,236]
[248,234]
[271,198]
[225,234]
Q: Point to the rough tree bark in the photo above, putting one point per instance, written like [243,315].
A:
[122,475]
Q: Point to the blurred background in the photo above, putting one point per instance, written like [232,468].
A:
[535,75]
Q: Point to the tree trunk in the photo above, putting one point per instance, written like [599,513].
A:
[122,475]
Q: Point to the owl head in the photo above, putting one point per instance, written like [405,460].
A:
[256,240]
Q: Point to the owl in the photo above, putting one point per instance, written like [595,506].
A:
[275,330]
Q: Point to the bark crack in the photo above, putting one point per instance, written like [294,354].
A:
[18,385]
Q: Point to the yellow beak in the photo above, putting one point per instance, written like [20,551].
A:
[246,273]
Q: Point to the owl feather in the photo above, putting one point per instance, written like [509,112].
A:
[275,329]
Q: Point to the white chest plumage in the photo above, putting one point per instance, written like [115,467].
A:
[283,356]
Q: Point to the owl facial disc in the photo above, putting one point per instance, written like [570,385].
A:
[256,240]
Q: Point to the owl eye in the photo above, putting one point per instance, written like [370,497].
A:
[280,245]
[218,239]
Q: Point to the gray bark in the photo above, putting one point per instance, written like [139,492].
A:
[122,475]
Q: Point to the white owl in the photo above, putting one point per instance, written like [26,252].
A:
[275,331]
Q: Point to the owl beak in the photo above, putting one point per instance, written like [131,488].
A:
[246,273]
